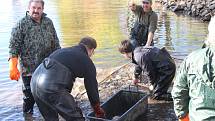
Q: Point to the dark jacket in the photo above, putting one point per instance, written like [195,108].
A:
[152,60]
[63,66]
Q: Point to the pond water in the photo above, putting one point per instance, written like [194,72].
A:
[106,21]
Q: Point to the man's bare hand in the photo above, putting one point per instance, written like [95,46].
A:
[132,5]
[136,81]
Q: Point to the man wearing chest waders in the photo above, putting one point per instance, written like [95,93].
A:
[53,80]
[145,25]
[156,63]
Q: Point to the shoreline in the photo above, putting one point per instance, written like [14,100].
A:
[202,10]
[120,79]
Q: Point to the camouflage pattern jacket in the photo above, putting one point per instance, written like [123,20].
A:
[194,88]
[32,42]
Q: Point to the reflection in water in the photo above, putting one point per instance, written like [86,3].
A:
[99,19]
[180,34]
[105,20]
[164,27]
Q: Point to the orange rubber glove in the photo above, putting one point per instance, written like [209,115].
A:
[99,112]
[14,72]
[185,118]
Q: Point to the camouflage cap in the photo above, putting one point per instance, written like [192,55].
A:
[150,1]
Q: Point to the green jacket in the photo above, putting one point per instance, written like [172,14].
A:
[194,90]
[32,42]
[149,19]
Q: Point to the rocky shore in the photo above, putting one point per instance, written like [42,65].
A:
[202,9]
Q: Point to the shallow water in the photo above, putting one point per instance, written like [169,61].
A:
[104,20]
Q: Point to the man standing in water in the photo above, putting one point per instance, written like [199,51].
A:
[145,25]
[194,88]
[32,39]
[53,80]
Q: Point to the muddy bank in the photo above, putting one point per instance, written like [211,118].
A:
[202,9]
[121,79]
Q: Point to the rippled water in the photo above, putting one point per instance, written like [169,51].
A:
[105,20]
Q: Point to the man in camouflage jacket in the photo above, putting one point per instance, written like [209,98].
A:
[194,88]
[32,39]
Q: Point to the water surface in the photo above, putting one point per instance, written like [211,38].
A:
[105,20]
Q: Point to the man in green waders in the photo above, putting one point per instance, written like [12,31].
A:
[194,88]
[145,25]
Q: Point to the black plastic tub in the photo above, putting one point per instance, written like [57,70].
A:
[123,106]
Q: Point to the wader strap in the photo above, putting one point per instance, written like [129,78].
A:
[140,18]
[50,60]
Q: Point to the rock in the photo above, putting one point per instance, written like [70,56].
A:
[207,17]
[205,12]
[189,5]
[202,9]
[212,7]
[178,8]
[212,2]
[199,6]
